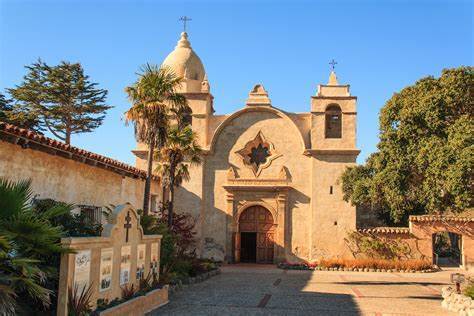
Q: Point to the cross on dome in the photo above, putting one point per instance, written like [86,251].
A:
[185,19]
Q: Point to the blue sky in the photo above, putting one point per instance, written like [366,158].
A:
[380,47]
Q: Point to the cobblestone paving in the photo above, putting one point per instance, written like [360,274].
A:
[265,290]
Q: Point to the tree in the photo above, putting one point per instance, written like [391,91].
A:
[26,239]
[62,97]
[181,149]
[18,116]
[424,160]
[153,96]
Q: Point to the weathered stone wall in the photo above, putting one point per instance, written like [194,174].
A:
[418,237]
[423,228]
[69,180]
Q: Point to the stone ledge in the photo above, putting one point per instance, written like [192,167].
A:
[139,305]
[455,302]
[319,268]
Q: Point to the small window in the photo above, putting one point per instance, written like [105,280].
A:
[330,190]
[92,213]
[333,121]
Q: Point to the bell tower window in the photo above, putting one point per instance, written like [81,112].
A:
[333,120]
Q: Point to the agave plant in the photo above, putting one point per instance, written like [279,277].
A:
[128,291]
[28,240]
[79,302]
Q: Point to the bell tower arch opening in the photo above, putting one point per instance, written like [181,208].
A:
[256,242]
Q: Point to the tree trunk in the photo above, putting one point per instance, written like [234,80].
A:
[171,198]
[163,196]
[68,133]
[146,195]
[68,138]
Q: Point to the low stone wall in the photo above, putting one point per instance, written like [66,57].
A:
[416,241]
[455,302]
[140,305]
[176,286]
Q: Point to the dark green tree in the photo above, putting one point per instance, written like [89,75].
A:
[18,116]
[62,97]
[425,156]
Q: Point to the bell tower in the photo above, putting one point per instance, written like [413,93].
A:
[195,87]
[333,149]
[333,119]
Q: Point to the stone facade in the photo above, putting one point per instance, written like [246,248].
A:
[293,174]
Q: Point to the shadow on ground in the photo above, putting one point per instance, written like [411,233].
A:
[258,290]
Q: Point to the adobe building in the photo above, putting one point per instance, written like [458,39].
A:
[268,187]
[70,174]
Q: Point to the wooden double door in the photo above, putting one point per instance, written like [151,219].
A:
[254,242]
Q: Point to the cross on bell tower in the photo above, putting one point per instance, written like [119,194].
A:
[185,19]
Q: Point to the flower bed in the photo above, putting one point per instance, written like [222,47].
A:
[139,305]
[362,265]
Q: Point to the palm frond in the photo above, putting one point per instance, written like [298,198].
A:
[14,197]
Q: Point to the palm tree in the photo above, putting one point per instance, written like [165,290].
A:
[181,150]
[27,240]
[153,95]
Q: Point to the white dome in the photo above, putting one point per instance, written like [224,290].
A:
[184,61]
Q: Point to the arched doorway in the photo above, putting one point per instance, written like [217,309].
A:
[255,238]
[447,248]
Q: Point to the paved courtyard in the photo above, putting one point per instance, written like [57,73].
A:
[266,290]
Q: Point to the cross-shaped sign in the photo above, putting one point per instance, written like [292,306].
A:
[333,64]
[184,19]
[127,225]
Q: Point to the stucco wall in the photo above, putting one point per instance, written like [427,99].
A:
[69,180]
[332,217]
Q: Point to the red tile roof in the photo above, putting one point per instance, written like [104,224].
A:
[442,218]
[385,230]
[29,139]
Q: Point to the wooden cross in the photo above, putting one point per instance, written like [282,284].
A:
[184,19]
[333,64]
[127,225]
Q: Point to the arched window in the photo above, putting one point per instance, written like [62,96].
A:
[333,121]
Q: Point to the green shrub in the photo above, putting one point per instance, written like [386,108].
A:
[469,290]
[182,267]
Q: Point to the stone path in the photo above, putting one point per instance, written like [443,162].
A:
[266,290]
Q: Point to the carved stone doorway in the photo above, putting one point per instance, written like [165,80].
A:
[255,221]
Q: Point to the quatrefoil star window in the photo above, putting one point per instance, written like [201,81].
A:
[258,154]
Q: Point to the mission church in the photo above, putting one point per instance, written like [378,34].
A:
[268,187]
